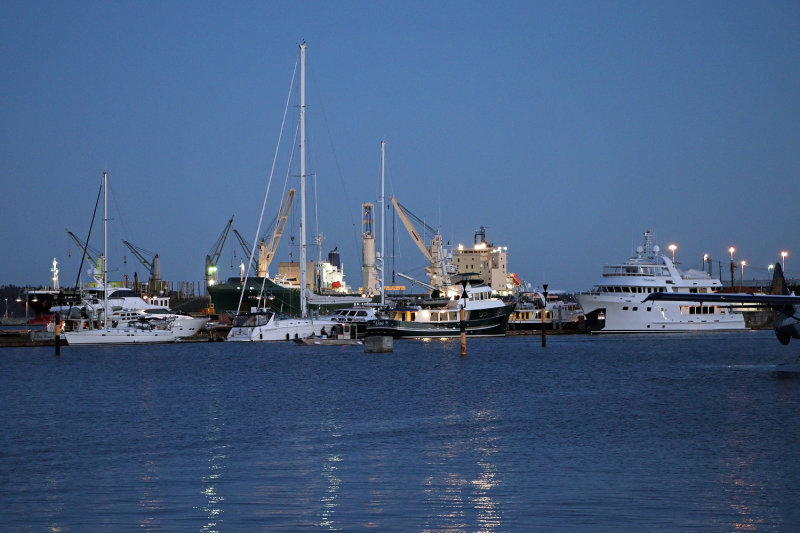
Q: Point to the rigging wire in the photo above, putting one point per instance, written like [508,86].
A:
[269,184]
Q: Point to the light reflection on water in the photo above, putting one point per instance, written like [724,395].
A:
[628,433]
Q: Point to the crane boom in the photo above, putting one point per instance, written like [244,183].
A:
[138,252]
[275,238]
[412,231]
[438,270]
[213,255]
[85,248]
[242,243]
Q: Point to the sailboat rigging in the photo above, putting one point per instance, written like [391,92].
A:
[264,324]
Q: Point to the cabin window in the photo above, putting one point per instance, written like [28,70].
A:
[625,308]
[635,309]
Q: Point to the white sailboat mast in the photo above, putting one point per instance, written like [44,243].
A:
[383,222]
[105,250]
[303,301]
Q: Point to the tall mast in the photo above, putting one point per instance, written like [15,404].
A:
[383,221]
[105,250]
[303,302]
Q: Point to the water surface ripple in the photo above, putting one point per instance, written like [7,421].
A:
[618,433]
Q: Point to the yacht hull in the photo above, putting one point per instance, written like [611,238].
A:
[491,322]
[628,315]
[287,329]
[117,336]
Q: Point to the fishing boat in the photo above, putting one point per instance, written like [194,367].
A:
[137,331]
[484,315]
[263,323]
[619,297]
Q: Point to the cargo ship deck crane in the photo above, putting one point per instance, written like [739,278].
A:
[153,265]
[437,271]
[213,255]
[92,254]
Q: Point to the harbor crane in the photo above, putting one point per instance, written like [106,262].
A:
[92,253]
[213,255]
[153,264]
[243,244]
[277,232]
[437,270]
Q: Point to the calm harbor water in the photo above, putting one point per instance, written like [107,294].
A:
[619,433]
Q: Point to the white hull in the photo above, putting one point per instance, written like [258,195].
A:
[630,315]
[621,293]
[280,329]
[185,326]
[118,336]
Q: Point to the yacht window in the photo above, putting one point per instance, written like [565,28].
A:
[625,308]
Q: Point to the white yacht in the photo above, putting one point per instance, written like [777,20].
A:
[136,331]
[619,297]
[125,306]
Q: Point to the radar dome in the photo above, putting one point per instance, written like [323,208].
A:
[639,249]
[656,249]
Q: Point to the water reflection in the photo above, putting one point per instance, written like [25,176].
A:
[329,500]
[211,480]
[461,492]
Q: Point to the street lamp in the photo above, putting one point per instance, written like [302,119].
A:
[731,250]
[783,258]
[5,315]
[741,279]
[672,248]
[705,260]
[19,299]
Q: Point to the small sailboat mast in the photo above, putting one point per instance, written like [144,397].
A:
[105,250]
[303,300]
[383,223]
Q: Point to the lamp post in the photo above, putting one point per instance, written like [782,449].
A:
[544,315]
[705,260]
[672,248]
[741,279]
[783,259]
[19,300]
[731,250]
[5,315]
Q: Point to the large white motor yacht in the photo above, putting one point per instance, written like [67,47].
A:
[619,297]
[124,306]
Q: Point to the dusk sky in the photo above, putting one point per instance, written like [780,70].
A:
[567,129]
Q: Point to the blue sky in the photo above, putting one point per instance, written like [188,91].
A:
[566,128]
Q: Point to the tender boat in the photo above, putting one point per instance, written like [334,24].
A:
[621,293]
[560,312]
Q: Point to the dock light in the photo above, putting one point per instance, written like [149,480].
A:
[783,259]
[706,260]
[741,279]
[672,248]
[731,250]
